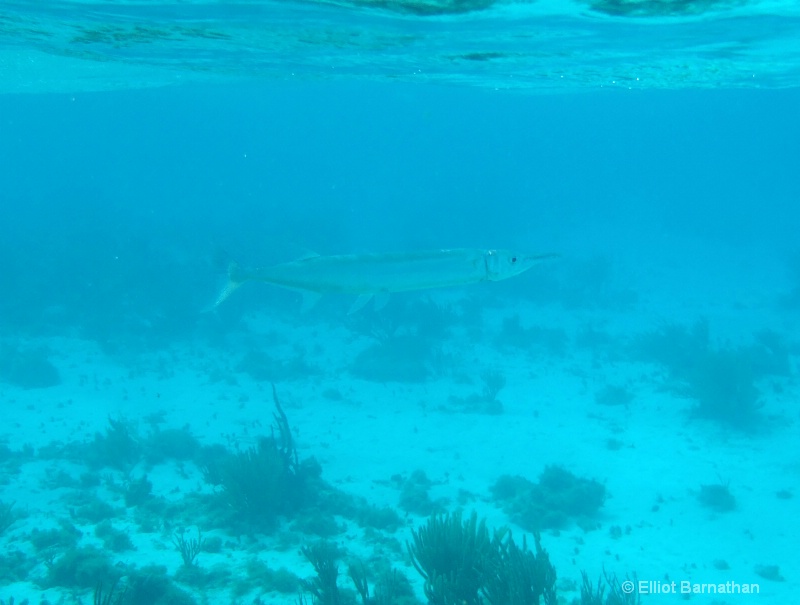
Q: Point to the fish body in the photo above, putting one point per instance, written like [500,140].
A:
[368,275]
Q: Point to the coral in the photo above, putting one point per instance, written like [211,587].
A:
[717,497]
[676,347]
[451,556]
[462,563]
[591,595]
[27,368]
[317,522]
[613,395]
[259,484]
[539,340]
[263,368]
[114,595]
[722,382]
[212,544]
[267,480]
[390,586]
[138,491]
[420,317]
[152,586]
[7,516]
[261,576]
[203,579]
[87,507]
[381,518]
[189,548]
[771,354]
[398,358]
[721,379]
[656,8]
[769,572]
[119,447]
[323,556]
[15,566]
[519,576]
[174,444]
[79,567]
[485,401]
[414,496]
[358,573]
[557,498]
[51,539]
[114,539]
[583,283]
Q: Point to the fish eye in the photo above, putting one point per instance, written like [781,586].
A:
[513,259]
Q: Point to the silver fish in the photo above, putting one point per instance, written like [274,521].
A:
[378,275]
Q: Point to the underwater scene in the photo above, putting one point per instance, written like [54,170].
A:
[399,302]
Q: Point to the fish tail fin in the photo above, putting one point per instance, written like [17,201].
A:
[234,281]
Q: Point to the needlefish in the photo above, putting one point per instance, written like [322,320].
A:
[376,276]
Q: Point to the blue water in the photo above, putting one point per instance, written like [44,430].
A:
[672,205]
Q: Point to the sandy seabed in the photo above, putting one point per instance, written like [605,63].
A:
[651,454]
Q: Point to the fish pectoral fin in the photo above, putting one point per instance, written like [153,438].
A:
[310,300]
[381,300]
[359,303]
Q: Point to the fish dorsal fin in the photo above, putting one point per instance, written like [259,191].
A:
[310,300]
[359,303]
